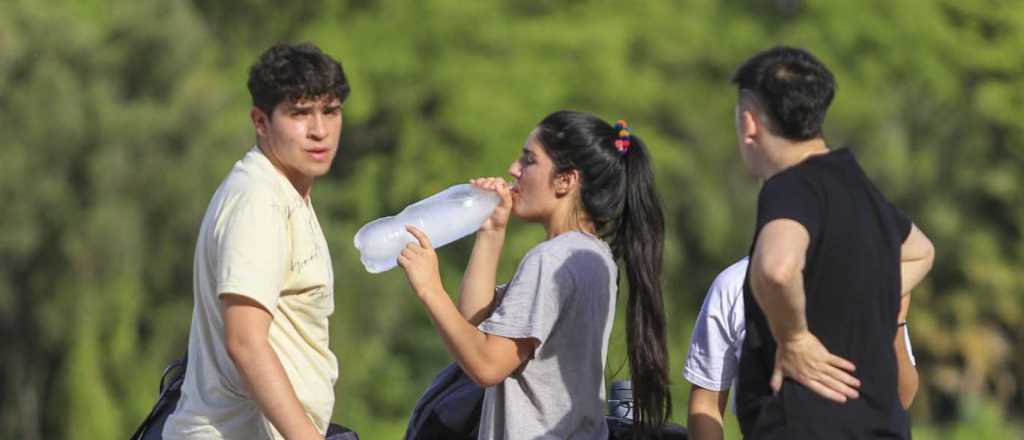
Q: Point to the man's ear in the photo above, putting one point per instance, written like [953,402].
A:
[566,182]
[260,121]
[750,127]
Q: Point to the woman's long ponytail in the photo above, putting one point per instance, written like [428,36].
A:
[639,238]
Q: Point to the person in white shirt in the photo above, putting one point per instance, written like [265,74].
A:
[713,359]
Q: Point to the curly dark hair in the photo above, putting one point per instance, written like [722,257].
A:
[793,87]
[294,72]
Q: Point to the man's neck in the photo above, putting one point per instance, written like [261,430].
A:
[789,154]
[302,184]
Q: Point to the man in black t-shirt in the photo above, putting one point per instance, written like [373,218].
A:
[830,261]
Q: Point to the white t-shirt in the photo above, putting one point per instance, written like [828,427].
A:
[261,239]
[714,357]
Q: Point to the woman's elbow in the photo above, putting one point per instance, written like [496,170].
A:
[485,372]
[485,376]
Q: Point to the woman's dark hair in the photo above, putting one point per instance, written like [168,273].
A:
[792,86]
[295,72]
[617,193]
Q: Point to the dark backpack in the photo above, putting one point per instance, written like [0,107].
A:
[450,409]
[152,426]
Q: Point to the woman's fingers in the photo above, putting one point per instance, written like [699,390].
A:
[409,252]
[421,237]
[489,183]
[504,193]
[496,184]
[479,182]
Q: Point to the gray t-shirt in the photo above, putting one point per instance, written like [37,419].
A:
[562,295]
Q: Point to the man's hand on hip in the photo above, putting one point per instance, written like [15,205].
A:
[803,358]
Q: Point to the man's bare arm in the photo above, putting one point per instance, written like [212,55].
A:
[246,325]
[907,378]
[916,257]
[776,278]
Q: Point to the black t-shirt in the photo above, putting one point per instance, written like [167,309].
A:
[852,285]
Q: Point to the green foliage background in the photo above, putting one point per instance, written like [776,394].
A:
[120,118]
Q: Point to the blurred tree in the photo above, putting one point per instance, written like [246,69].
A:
[121,118]
[109,120]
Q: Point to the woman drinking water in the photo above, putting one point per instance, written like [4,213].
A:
[539,343]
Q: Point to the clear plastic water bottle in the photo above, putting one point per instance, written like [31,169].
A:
[445,217]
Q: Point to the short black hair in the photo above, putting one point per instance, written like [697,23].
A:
[794,89]
[295,72]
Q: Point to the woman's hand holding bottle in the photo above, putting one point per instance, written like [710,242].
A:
[498,220]
[419,260]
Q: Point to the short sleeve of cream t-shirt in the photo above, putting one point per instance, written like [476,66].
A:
[251,246]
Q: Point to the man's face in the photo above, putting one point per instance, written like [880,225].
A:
[301,139]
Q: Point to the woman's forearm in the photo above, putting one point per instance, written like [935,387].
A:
[476,293]
[486,359]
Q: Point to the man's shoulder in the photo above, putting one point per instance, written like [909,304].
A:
[821,170]
[253,174]
[240,183]
[252,179]
[247,194]
[239,190]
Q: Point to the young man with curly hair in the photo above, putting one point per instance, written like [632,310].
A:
[259,365]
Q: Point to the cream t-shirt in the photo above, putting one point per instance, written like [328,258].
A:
[261,239]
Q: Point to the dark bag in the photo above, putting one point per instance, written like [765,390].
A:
[152,428]
[338,432]
[620,428]
[448,409]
